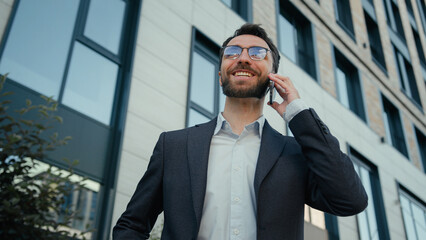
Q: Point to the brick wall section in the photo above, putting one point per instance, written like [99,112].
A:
[373,107]
[411,142]
[360,29]
[325,61]
[328,7]
[5,9]
[264,13]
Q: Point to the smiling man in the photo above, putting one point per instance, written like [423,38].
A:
[235,177]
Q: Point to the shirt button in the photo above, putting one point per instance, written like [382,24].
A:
[236,231]
[236,199]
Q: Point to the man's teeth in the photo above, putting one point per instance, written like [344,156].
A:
[243,74]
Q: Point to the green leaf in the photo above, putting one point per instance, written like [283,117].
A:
[40,126]
[59,119]
[43,112]
[6,94]
[27,122]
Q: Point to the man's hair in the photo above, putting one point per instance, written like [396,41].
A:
[256,30]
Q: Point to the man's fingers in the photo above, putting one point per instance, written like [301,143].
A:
[283,82]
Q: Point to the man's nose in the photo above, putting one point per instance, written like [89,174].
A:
[244,56]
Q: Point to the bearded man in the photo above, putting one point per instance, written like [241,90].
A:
[236,177]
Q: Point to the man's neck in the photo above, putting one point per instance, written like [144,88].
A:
[240,112]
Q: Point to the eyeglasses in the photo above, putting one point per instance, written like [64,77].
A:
[255,53]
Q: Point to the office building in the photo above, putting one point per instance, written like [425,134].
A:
[123,71]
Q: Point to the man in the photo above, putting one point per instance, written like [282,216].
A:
[235,177]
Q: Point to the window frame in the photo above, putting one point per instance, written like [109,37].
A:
[360,161]
[347,22]
[206,48]
[375,41]
[394,128]
[421,7]
[244,8]
[407,78]
[353,84]
[393,19]
[421,146]
[413,199]
[297,19]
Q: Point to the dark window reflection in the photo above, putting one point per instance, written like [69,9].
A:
[36,51]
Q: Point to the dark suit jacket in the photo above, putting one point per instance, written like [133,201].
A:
[309,168]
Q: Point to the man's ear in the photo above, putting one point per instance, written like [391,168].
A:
[220,78]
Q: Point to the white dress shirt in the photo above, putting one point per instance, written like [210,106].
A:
[230,204]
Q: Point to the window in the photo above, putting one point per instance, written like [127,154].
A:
[344,16]
[414,215]
[409,7]
[372,221]
[421,145]
[79,52]
[205,96]
[393,18]
[422,12]
[241,7]
[407,79]
[82,200]
[348,85]
[419,48]
[375,42]
[314,217]
[296,38]
[393,127]
[38,56]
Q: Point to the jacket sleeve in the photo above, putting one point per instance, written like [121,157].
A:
[333,186]
[147,201]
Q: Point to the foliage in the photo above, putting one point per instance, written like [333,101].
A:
[32,197]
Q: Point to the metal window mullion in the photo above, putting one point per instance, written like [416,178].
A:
[79,23]
[201,110]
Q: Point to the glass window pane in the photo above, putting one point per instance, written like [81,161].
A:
[342,88]
[419,219]
[105,22]
[228,2]
[317,218]
[363,226]
[370,211]
[37,47]
[222,99]
[91,84]
[203,82]
[196,118]
[408,221]
[287,39]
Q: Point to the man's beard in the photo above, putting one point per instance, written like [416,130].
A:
[257,91]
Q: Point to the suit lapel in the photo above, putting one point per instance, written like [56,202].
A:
[271,146]
[199,139]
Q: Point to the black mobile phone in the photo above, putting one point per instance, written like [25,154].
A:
[271,91]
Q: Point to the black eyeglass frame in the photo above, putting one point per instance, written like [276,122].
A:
[248,51]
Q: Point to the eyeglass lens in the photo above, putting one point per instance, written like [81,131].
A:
[255,53]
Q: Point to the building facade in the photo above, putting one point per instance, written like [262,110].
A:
[124,71]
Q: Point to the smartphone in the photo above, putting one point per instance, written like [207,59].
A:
[271,91]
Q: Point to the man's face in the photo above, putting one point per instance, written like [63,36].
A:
[244,77]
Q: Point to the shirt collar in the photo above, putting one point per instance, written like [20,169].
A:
[221,123]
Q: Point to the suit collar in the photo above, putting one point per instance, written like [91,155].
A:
[199,139]
[271,146]
[221,121]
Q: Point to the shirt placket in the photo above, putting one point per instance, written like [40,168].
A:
[237,181]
